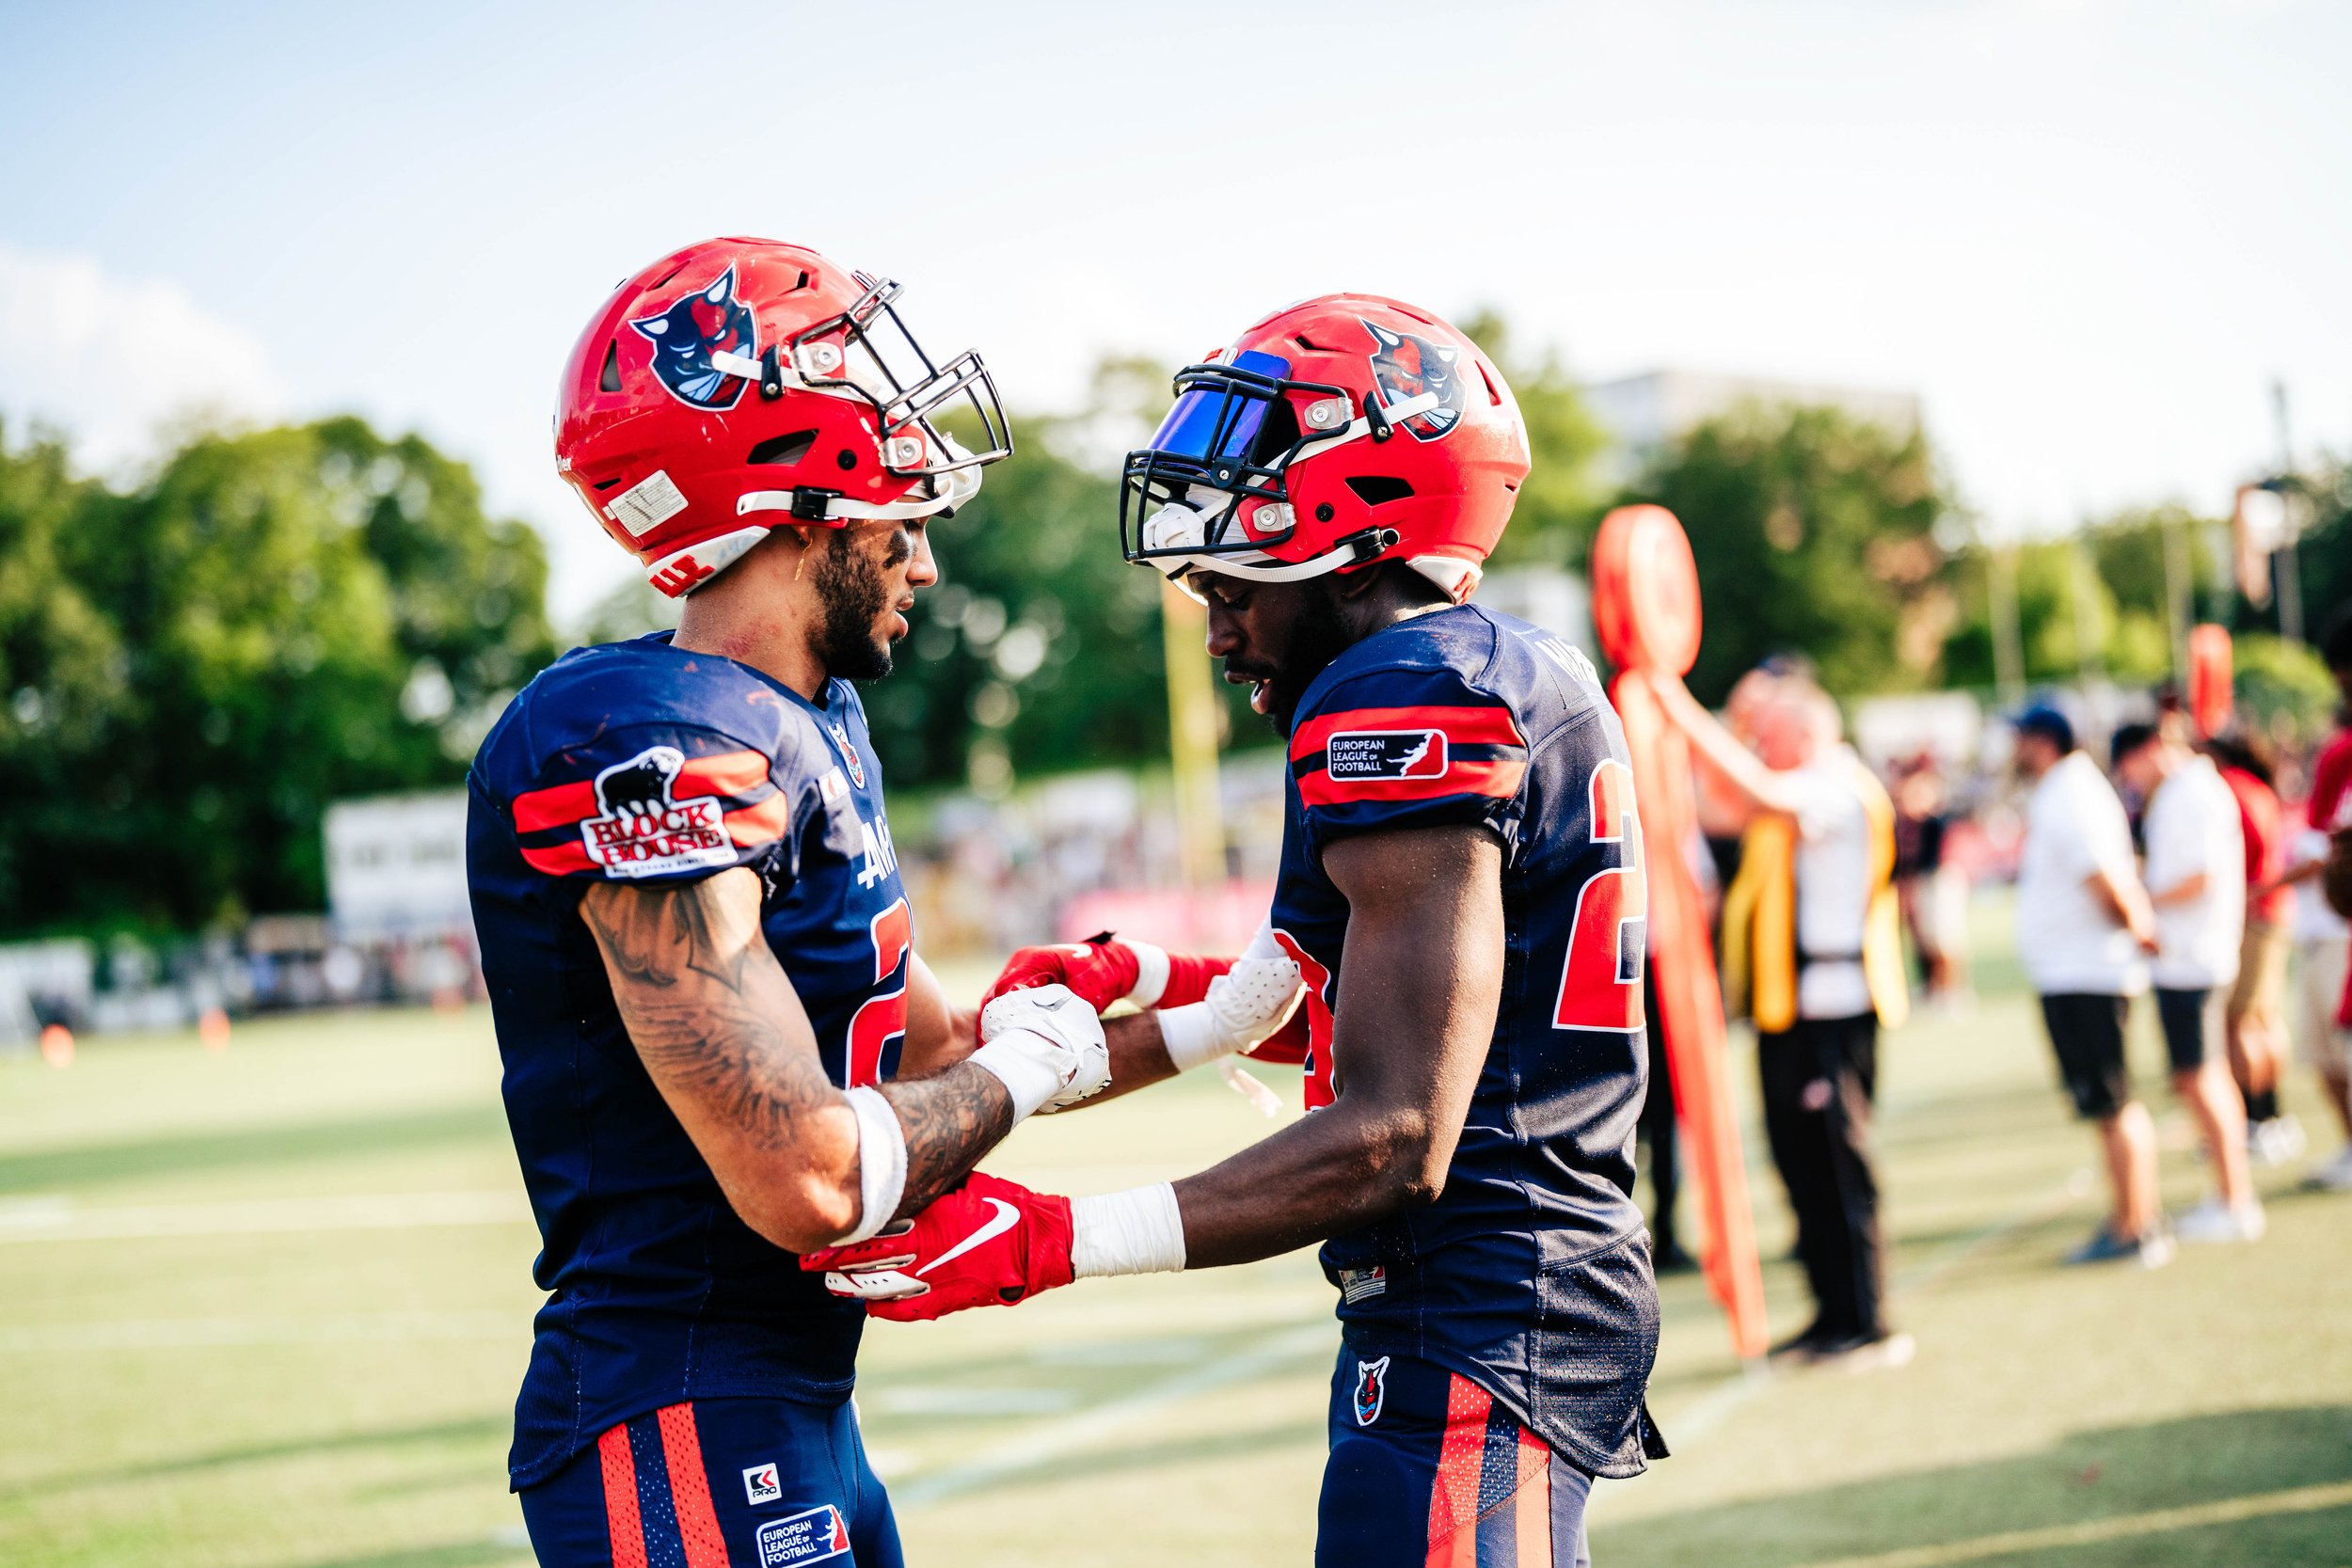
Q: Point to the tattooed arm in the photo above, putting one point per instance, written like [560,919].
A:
[727,1043]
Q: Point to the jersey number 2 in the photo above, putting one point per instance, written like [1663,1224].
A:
[883,1019]
[1600,985]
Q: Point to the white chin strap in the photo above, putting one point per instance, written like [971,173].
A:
[953,489]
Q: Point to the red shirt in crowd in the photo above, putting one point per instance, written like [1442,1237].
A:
[2262,820]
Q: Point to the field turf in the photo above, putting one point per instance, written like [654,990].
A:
[268,1308]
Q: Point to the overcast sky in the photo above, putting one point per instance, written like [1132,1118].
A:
[2088,235]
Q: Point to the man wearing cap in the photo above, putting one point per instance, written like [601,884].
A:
[2083,931]
[2196,888]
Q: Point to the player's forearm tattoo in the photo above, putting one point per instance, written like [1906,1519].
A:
[951,1120]
[710,1038]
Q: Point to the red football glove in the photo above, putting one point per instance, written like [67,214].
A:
[990,1242]
[1103,970]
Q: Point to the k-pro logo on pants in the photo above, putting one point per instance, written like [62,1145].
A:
[811,1535]
[760,1484]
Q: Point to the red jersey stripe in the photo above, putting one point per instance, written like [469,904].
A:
[557,806]
[1461,1458]
[558,859]
[728,773]
[621,1522]
[689,1488]
[1499,779]
[761,824]
[1463,726]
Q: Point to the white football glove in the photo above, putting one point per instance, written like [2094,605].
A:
[1046,1046]
[1245,1004]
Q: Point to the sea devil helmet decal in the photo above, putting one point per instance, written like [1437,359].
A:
[1406,365]
[708,321]
[1372,1390]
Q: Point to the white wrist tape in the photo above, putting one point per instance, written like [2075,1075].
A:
[1193,1036]
[1151,974]
[1138,1231]
[1028,1067]
[882,1161]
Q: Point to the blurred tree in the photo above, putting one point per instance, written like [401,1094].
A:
[2322,556]
[1038,641]
[1814,532]
[283,618]
[1560,506]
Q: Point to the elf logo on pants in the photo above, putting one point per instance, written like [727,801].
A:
[1372,1389]
[811,1535]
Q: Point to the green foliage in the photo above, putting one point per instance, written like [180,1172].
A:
[1038,634]
[194,671]
[1813,532]
[2278,679]
[1561,504]
[2322,556]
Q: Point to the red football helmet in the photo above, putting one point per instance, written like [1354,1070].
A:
[1343,431]
[739,385]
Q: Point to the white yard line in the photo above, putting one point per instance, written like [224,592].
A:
[289,1329]
[57,1219]
[1089,1428]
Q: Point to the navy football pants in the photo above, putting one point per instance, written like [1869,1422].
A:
[1427,1471]
[718,1483]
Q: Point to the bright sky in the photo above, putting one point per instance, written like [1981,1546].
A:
[2089,234]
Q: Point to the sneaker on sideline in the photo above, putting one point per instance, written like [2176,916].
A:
[1864,1355]
[2216,1221]
[2152,1250]
[2335,1176]
[2274,1143]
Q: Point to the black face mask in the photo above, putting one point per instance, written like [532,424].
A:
[852,586]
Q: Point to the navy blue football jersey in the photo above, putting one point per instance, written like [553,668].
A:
[640,763]
[1530,1275]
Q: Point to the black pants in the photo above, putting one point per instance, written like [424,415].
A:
[1820,1078]
[1657,1129]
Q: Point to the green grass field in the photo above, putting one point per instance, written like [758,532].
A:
[268,1309]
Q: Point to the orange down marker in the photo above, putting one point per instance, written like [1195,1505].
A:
[1645,607]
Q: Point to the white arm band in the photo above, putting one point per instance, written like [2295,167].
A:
[1138,1231]
[1192,1036]
[881,1163]
[1151,974]
[1016,1058]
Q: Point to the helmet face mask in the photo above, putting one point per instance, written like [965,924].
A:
[875,355]
[739,377]
[1329,435]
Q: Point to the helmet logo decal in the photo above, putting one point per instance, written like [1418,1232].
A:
[1405,366]
[708,321]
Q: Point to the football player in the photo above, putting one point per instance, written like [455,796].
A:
[721,1049]
[1462,893]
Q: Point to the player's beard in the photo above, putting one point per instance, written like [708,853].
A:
[855,591]
[1318,635]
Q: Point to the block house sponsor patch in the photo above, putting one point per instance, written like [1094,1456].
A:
[645,828]
[1386,754]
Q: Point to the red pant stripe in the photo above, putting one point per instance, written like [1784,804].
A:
[689,1489]
[1532,1502]
[1454,1492]
[620,1499]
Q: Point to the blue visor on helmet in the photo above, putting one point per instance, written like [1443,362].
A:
[1221,419]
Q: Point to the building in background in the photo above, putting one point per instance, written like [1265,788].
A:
[1646,412]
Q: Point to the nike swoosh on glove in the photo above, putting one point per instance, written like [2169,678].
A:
[990,1242]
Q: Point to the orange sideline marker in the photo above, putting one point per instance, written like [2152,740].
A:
[1645,607]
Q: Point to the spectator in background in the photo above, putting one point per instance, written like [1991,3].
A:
[1934,892]
[1812,913]
[2084,929]
[2255,1014]
[2322,989]
[2195,881]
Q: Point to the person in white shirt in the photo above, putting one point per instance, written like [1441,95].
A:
[1818,1067]
[2196,880]
[2084,929]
